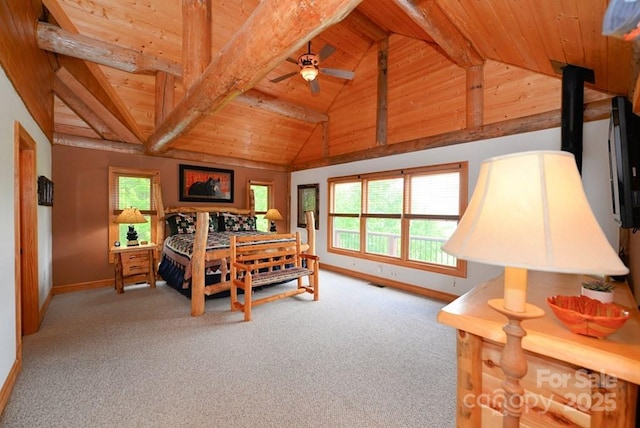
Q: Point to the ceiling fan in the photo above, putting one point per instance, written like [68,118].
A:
[309,64]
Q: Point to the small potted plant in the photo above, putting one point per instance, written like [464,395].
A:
[598,288]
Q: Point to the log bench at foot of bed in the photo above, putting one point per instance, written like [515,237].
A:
[266,260]
[200,256]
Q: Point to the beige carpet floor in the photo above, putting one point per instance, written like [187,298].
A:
[362,356]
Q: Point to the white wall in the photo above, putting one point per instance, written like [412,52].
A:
[595,172]
[13,109]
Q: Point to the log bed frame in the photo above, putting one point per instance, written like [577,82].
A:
[200,256]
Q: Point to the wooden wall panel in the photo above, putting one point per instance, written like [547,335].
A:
[426,91]
[241,131]
[511,92]
[314,148]
[26,65]
[353,115]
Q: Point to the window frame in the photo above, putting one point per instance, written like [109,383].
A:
[462,168]
[270,196]
[157,229]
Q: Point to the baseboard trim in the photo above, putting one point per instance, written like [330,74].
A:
[7,387]
[425,292]
[81,286]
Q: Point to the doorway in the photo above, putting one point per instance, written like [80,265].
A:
[26,240]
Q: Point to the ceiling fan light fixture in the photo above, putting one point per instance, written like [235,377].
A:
[309,72]
[308,66]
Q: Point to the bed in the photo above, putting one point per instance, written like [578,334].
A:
[195,251]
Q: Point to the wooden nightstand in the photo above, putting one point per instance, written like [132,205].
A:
[132,261]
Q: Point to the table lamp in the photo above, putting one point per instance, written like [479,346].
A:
[131,216]
[272,215]
[529,212]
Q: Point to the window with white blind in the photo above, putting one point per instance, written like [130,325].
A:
[133,188]
[401,217]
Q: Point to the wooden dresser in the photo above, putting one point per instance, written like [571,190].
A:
[572,380]
[134,261]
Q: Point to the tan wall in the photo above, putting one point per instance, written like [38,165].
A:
[80,209]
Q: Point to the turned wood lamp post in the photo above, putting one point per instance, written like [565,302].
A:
[529,212]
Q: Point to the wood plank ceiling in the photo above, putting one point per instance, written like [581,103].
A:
[193,80]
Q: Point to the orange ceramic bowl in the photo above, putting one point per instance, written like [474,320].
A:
[590,317]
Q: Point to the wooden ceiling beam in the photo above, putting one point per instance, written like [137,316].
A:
[196,39]
[100,86]
[79,107]
[365,26]
[55,39]
[475,96]
[247,58]
[136,149]
[165,96]
[428,15]
[94,104]
[261,100]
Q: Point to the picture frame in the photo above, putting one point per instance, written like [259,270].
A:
[45,191]
[308,200]
[204,184]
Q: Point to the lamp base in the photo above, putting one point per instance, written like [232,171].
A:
[272,227]
[513,361]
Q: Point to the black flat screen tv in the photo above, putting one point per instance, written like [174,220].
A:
[624,163]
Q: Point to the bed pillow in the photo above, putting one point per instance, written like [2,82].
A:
[238,223]
[185,223]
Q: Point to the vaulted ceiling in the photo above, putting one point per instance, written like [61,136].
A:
[193,79]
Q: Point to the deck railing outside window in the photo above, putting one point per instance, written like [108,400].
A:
[422,249]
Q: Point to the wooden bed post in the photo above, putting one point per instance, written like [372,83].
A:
[198,264]
[311,231]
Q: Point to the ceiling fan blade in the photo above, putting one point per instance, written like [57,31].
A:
[283,77]
[315,86]
[326,51]
[292,60]
[342,74]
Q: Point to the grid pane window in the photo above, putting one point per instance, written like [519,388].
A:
[426,238]
[383,236]
[134,188]
[385,196]
[348,198]
[344,215]
[435,194]
[401,217]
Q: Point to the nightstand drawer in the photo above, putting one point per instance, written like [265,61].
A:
[133,264]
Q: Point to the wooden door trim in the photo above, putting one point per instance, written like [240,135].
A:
[26,245]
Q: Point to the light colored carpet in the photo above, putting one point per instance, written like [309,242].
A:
[362,356]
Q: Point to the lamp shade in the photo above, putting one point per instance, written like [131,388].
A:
[130,216]
[529,211]
[273,214]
